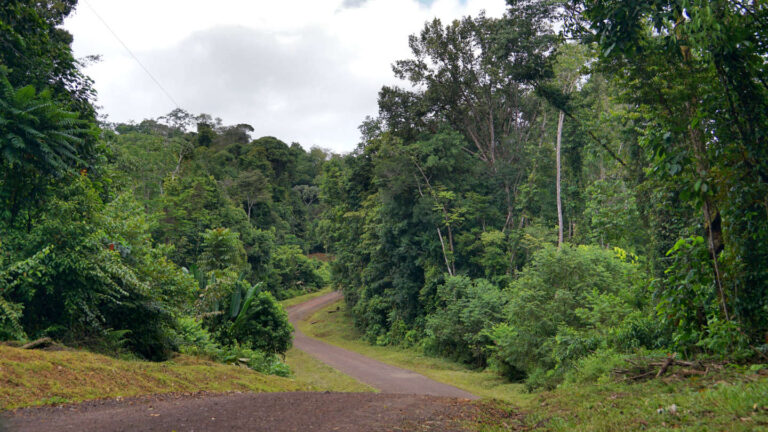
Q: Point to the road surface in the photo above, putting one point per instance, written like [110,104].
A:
[384,377]
[408,402]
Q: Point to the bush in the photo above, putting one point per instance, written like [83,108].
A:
[12,276]
[466,309]
[194,339]
[566,304]
[262,323]
[293,273]
[101,275]
[595,367]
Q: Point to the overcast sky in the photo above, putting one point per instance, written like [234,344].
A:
[301,70]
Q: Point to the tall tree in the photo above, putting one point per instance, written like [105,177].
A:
[696,70]
[571,58]
[478,75]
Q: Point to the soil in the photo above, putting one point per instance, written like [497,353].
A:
[251,412]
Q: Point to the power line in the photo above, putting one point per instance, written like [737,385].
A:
[167,94]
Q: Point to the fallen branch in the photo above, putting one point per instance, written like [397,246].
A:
[666,365]
[648,368]
[40,343]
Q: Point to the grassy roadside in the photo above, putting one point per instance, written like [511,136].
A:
[337,329]
[34,377]
[735,399]
[318,376]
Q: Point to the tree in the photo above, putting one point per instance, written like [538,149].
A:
[251,188]
[695,71]
[478,75]
[39,140]
[570,60]
[221,249]
[38,52]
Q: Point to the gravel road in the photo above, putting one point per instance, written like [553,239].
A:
[386,378]
[408,402]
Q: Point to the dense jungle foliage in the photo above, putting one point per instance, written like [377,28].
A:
[577,179]
[174,234]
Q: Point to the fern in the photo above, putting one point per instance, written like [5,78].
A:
[36,132]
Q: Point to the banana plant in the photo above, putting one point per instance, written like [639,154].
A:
[239,305]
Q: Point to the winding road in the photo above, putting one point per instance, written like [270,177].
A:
[384,377]
[408,402]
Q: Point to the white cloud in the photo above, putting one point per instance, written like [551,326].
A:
[301,70]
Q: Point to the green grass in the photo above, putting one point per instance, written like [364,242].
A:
[302,298]
[33,377]
[729,401]
[732,399]
[320,377]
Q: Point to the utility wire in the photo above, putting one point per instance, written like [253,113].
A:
[167,94]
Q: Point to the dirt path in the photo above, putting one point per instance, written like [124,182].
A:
[267,412]
[411,402]
[388,379]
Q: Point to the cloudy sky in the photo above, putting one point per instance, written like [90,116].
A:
[301,70]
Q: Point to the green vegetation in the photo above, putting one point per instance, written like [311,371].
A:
[33,377]
[557,190]
[573,177]
[732,398]
[142,239]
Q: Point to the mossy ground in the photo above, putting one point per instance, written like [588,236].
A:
[732,399]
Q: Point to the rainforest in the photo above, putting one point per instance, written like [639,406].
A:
[560,195]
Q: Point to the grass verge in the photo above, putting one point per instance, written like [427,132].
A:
[33,377]
[318,376]
[735,399]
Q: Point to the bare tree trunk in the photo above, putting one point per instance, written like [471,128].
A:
[445,256]
[560,120]
[450,246]
[508,222]
[178,165]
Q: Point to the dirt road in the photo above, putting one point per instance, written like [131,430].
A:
[410,402]
[264,412]
[388,379]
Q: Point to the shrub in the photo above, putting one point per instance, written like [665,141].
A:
[466,309]
[101,275]
[566,304]
[262,323]
[293,273]
[194,339]
[12,276]
[250,317]
[594,367]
